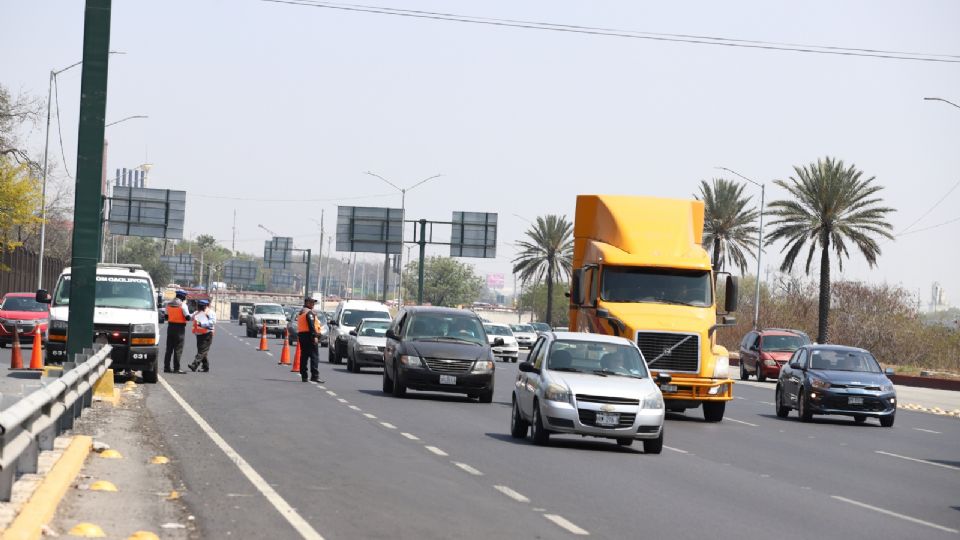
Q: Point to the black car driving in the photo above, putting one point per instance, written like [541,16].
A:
[834,379]
[439,350]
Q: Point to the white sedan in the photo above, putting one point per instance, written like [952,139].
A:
[510,350]
[526,335]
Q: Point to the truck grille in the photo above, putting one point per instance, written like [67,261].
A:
[607,399]
[444,365]
[589,418]
[681,355]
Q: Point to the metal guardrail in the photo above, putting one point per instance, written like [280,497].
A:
[31,425]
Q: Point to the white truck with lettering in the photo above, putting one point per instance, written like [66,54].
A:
[125,316]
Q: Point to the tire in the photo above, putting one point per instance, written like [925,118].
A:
[514,360]
[803,407]
[654,446]
[399,390]
[713,410]
[782,410]
[331,355]
[761,376]
[149,377]
[518,425]
[249,333]
[486,397]
[387,383]
[887,421]
[337,357]
[859,418]
[624,442]
[541,437]
[744,376]
[352,365]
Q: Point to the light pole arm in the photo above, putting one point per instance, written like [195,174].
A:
[941,99]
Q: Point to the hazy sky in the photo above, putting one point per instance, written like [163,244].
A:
[252,102]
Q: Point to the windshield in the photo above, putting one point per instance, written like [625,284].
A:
[426,326]
[493,330]
[783,343]
[657,285]
[839,360]
[542,327]
[522,328]
[267,309]
[22,303]
[373,328]
[112,292]
[352,317]
[593,357]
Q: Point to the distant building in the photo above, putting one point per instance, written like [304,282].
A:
[938,299]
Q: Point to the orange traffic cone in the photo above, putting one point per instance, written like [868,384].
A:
[16,359]
[36,356]
[285,351]
[296,362]
[263,339]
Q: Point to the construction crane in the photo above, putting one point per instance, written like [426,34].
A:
[268,230]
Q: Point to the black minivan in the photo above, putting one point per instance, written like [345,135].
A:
[439,350]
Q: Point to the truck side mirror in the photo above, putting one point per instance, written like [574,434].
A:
[733,296]
[576,279]
[42,297]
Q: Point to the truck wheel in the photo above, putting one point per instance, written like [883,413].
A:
[486,397]
[713,410]
[149,377]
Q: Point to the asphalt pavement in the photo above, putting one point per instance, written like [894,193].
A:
[263,454]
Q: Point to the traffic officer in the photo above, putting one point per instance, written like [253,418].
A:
[204,325]
[177,316]
[308,337]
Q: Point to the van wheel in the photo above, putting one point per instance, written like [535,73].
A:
[399,390]
[713,410]
[654,446]
[331,355]
[149,377]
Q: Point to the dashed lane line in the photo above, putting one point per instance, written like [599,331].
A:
[370,416]
[677,450]
[341,400]
[741,422]
[908,458]
[895,514]
[410,436]
[512,494]
[436,451]
[331,393]
[467,468]
[354,407]
[388,425]
[928,431]
[287,511]
[563,523]
[768,403]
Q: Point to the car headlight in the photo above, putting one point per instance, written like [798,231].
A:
[556,392]
[721,367]
[482,366]
[143,329]
[411,361]
[58,326]
[653,401]
[770,363]
[819,383]
[368,348]
[887,388]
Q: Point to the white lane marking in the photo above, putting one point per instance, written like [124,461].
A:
[934,463]
[331,393]
[436,450]
[322,387]
[410,436]
[370,416]
[388,425]
[768,403]
[467,468]
[739,397]
[341,400]
[354,407]
[562,522]
[676,449]
[740,422]
[928,431]
[269,353]
[894,514]
[287,511]
[512,494]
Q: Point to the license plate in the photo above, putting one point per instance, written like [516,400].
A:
[855,401]
[448,379]
[668,387]
[607,419]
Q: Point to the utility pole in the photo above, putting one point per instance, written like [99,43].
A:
[320,257]
[326,276]
[233,245]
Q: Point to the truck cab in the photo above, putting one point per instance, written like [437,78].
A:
[640,271]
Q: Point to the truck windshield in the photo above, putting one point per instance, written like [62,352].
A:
[657,285]
[267,309]
[112,292]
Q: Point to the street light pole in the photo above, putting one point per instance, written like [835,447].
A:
[756,299]
[941,99]
[403,212]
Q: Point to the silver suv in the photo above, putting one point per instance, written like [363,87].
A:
[590,385]
[272,315]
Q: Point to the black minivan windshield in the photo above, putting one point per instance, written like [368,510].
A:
[443,326]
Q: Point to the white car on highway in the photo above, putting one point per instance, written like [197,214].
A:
[510,350]
[525,334]
[589,385]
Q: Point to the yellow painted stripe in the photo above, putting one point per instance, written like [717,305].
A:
[42,505]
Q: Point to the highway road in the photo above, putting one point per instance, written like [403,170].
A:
[273,457]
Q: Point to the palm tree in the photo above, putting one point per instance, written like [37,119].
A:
[547,255]
[834,208]
[728,230]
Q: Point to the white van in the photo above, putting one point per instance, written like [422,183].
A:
[125,316]
[348,315]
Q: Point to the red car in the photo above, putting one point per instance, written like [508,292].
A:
[763,352]
[22,310]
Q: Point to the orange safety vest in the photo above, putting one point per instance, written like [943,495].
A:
[175,313]
[303,327]
[197,329]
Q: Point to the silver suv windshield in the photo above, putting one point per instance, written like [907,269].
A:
[120,292]
[598,358]
[657,285]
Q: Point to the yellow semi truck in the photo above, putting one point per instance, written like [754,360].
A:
[640,271]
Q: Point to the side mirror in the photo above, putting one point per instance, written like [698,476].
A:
[42,297]
[498,342]
[575,279]
[664,378]
[733,296]
[333,323]
[391,334]
[794,365]
[888,371]
[353,333]
[754,347]
[527,367]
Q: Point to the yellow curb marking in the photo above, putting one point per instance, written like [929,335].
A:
[111,454]
[143,535]
[103,485]
[87,530]
[174,495]
[160,460]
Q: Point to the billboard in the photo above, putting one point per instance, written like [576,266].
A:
[474,234]
[181,266]
[277,252]
[282,280]
[369,229]
[240,272]
[137,211]
[495,281]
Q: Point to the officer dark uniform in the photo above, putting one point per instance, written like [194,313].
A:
[177,316]
[204,324]
[308,337]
